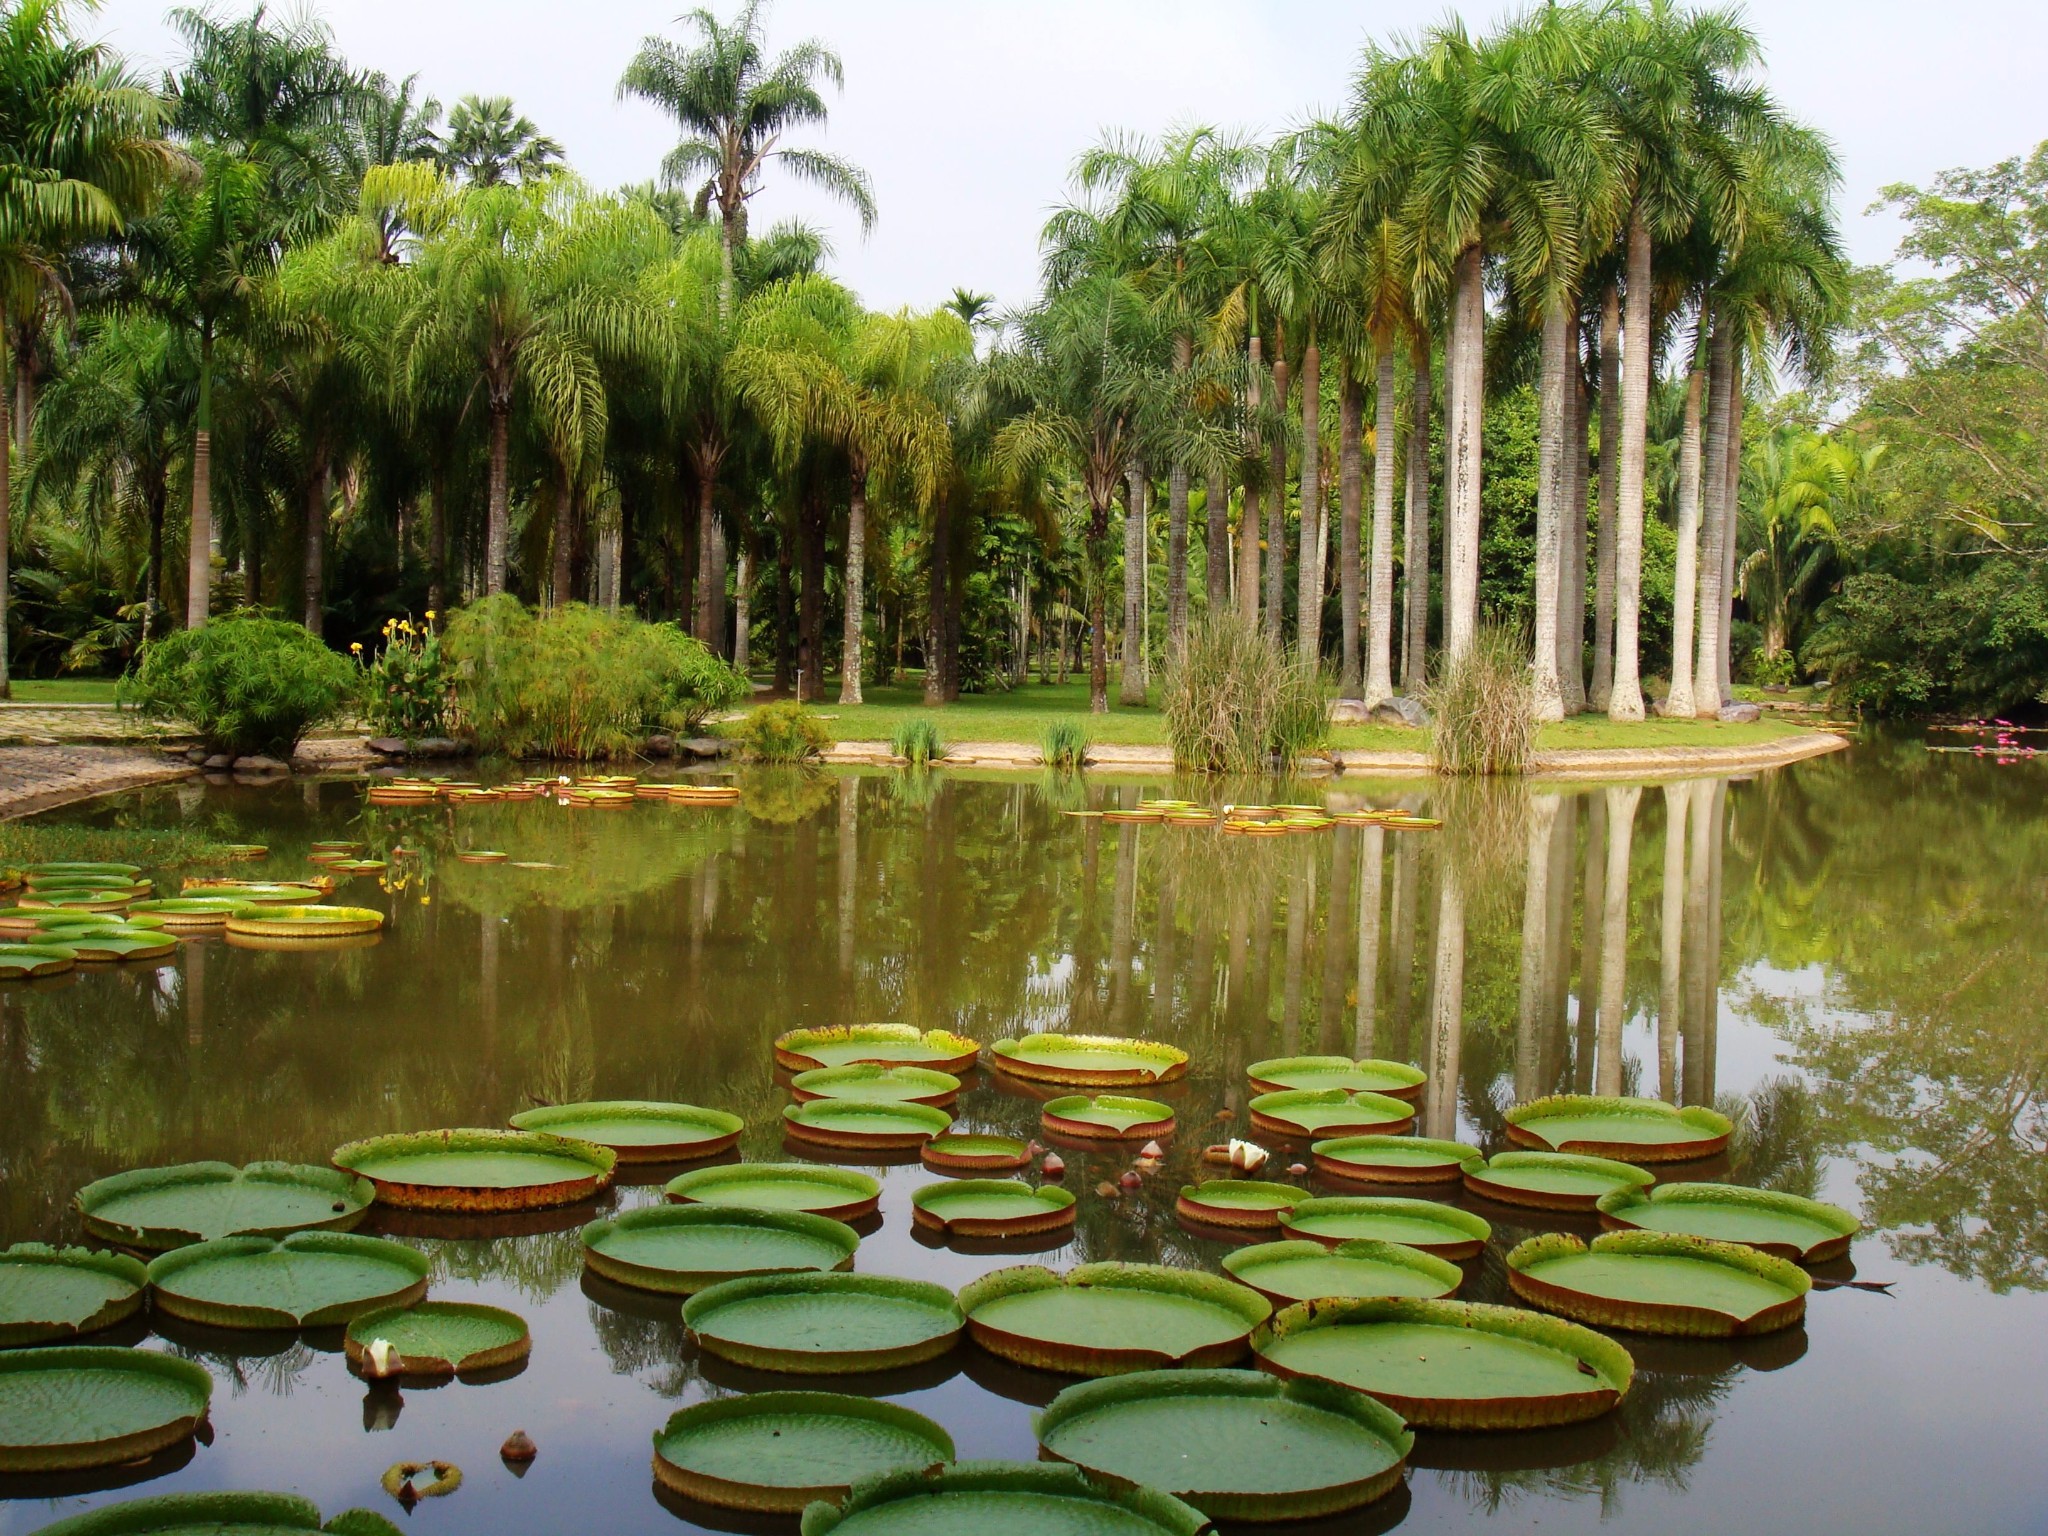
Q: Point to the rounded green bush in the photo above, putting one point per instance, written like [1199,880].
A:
[245,683]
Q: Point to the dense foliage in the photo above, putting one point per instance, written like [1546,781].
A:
[406,684]
[245,683]
[1236,703]
[782,732]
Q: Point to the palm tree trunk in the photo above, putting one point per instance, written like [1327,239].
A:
[701,617]
[1465,433]
[316,543]
[1131,687]
[1553,493]
[1216,542]
[1713,521]
[1671,994]
[1621,820]
[1371,877]
[1447,1008]
[1098,623]
[1535,987]
[1248,517]
[199,537]
[1571,632]
[1590,968]
[1276,503]
[1731,519]
[855,584]
[24,397]
[158,497]
[1379,666]
[743,610]
[718,567]
[437,540]
[1685,582]
[1415,523]
[1308,583]
[1610,456]
[1625,700]
[561,590]
[498,523]
[1350,496]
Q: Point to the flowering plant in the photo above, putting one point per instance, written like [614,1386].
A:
[406,684]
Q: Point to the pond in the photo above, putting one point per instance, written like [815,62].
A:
[1845,956]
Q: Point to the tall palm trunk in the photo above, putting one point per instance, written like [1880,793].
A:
[1308,583]
[199,537]
[1098,622]
[1571,628]
[855,584]
[1216,542]
[1625,700]
[1610,458]
[157,495]
[1248,518]
[1553,493]
[1536,949]
[1415,523]
[1276,501]
[1671,989]
[1713,518]
[1621,820]
[1686,580]
[1379,666]
[701,620]
[437,539]
[1177,484]
[561,586]
[316,541]
[743,611]
[1447,1008]
[1350,496]
[1731,524]
[1371,877]
[1131,688]
[1464,432]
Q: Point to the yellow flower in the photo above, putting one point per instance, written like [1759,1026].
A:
[356,646]
[431,615]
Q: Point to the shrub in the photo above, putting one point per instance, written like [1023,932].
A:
[1482,706]
[917,740]
[577,682]
[782,732]
[1235,701]
[244,682]
[1063,745]
[405,688]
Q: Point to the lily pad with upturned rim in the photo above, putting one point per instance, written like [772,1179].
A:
[1634,1130]
[1654,1282]
[638,1130]
[777,1452]
[1307,1112]
[25,962]
[975,1152]
[1107,1117]
[1001,1498]
[158,1208]
[882,1045]
[1787,1226]
[840,1193]
[1443,1230]
[824,1324]
[78,867]
[279,893]
[867,1083]
[218,1514]
[1248,1203]
[858,1125]
[72,1407]
[1108,1319]
[1090,1061]
[1392,1159]
[478,1170]
[183,912]
[1395,1079]
[1301,1270]
[1237,1445]
[49,1294]
[306,1280]
[442,1338]
[125,942]
[995,1208]
[1552,1181]
[315,922]
[1452,1364]
[682,1249]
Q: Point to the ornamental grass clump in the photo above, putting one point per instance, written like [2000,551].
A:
[917,742]
[1064,745]
[244,683]
[1237,703]
[1483,707]
[782,732]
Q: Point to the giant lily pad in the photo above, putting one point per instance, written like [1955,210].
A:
[306,1280]
[1306,1112]
[1001,1498]
[882,1045]
[60,867]
[1395,1079]
[440,1338]
[1443,1230]
[261,893]
[80,901]
[681,1249]
[975,1152]
[1237,1445]
[195,1202]
[73,1407]
[125,942]
[1109,1319]
[1090,1061]
[218,1514]
[825,1324]
[1634,1130]
[1300,1270]
[1654,1282]
[1786,1226]
[20,962]
[190,912]
[1452,1364]
[1107,1117]
[860,1125]
[878,1085]
[478,1170]
[994,1208]
[47,1294]
[776,1452]
[271,922]
[1247,1203]
[1392,1159]
[639,1131]
[1552,1181]
[839,1193]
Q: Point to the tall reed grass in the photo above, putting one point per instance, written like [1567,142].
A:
[917,741]
[1238,703]
[1481,706]
[1063,745]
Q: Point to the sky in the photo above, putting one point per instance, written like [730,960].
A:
[968,113]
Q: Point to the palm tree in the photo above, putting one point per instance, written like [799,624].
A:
[734,107]
[489,144]
[1795,485]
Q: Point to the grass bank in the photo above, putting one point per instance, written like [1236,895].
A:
[63,690]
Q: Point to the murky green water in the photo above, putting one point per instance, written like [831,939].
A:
[1846,955]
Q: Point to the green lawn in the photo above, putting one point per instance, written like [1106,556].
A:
[1022,714]
[63,690]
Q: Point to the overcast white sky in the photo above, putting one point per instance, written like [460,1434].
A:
[968,113]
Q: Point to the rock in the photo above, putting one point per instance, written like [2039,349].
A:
[660,746]
[257,762]
[195,754]
[1740,714]
[703,746]
[386,746]
[1401,711]
[437,746]
[220,762]
[1777,687]
[1349,712]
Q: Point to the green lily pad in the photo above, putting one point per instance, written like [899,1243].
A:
[1300,1112]
[1395,1079]
[824,1324]
[1552,1181]
[218,1514]
[1107,1116]
[178,912]
[1300,1270]
[1787,1226]
[1392,1159]
[681,1249]
[1654,1282]
[882,1045]
[777,1452]
[975,1152]
[839,1193]
[991,1208]
[1635,1130]
[126,942]
[1090,1061]
[159,1208]
[1237,1445]
[48,1294]
[306,1280]
[879,1085]
[856,1124]
[639,1131]
[1247,1203]
[440,1338]
[314,922]
[257,893]
[20,962]
[479,1170]
[1443,1230]
[73,1407]
[1452,1364]
[1109,1319]
[1001,1498]
[76,867]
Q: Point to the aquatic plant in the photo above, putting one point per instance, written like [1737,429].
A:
[782,732]
[406,687]
[1235,702]
[1063,744]
[917,741]
[1482,707]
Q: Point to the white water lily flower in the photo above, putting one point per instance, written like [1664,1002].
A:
[1248,1156]
[380,1359]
